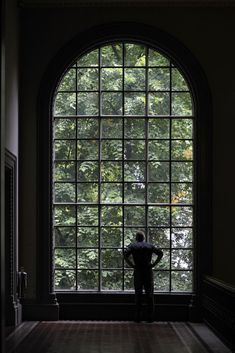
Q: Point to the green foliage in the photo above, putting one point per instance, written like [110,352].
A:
[182,281]
[87,279]
[87,258]
[123,152]
[111,79]
[87,237]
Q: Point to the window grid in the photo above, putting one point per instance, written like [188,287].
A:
[146,160]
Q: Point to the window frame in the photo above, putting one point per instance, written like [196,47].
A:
[190,68]
[146,160]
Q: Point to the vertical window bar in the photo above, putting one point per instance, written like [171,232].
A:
[123,174]
[53,207]
[170,145]
[76,176]
[146,142]
[100,179]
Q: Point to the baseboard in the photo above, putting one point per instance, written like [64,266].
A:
[73,306]
[14,314]
[121,307]
[218,303]
[40,312]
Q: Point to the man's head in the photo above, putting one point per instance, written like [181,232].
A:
[140,236]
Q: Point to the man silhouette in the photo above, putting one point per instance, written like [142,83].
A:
[142,252]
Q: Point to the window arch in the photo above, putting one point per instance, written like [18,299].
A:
[123,127]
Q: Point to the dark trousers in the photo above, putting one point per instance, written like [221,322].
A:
[143,279]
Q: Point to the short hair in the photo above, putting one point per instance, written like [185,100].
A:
[140,235]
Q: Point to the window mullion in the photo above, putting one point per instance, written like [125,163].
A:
[100,181]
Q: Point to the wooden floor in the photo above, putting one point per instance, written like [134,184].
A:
[113,337]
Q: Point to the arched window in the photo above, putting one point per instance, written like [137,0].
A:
[123,127]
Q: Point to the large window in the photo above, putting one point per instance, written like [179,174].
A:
[122,161]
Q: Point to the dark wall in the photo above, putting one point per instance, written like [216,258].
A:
[206,32]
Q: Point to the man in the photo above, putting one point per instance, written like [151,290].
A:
[142,252]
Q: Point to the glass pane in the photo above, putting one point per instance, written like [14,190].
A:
[160,237]
[64,215]
[135,55]
[159,79]
[159,128]
[111,79]
[134,149]
[68,82]
[128,280]
[87,236]
[182,259]
[158,193]
[64,149]
[134,80]
[88,171]
[134,128]
[111,215]
[182,216]
[111,55]
[64,192]
[87,258]
[87,215]
[111,237]
[159,216]
[164,264]
[111,258]
[87,192]
[157,59]
[111,149]
[134,193]
[182,128]
[65,104]
[111,280]
[181,104]
[111,192]
[64,171]
[65,280]
[135,103]
[134,215]
[158,171]
[64,236]
[87,128]
[161,281]
[159,104]
[134,171]
[159,150]
[181,171]
[129,236]
[111,103]
[90,59]
[88,79]
[182,281]
[111,171]
[182,237]
[87,280]
[182,150]
[111,128]
[87,103]
[178,82]
[87,149]
[181,193]
[65,258]
[65,128]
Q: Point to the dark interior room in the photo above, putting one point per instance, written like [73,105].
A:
[116,124]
